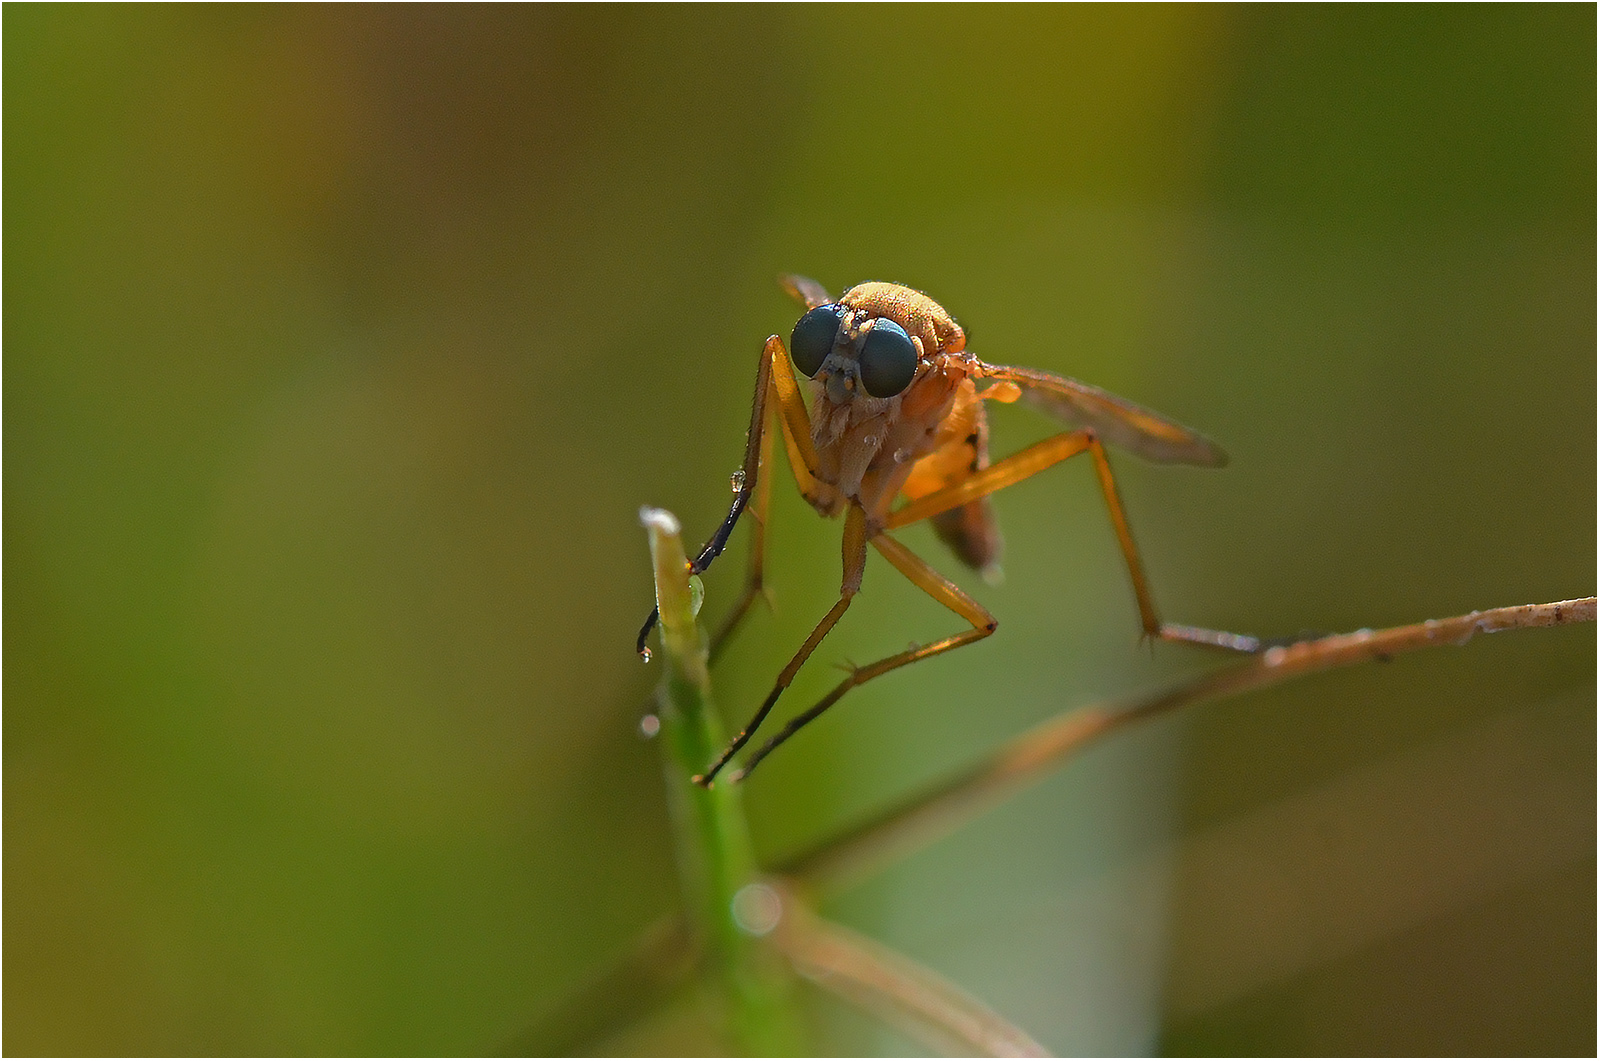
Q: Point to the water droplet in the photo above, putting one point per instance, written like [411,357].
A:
[902,455]
[649,726]
[736,480]
[644,655]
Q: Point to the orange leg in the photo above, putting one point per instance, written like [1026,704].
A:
[1035,459]
[776,389]
[795,422]
[934,585]
[784,395]
[855,562]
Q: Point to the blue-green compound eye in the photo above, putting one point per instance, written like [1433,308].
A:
[813,336]
[888,360]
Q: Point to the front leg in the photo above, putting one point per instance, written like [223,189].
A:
[775,388]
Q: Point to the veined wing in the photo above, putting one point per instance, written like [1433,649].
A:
[1116,420]
[805,290]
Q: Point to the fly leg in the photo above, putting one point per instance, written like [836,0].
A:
[1035,459]
[934,585]
[855,562]
[775,389]
[755,566]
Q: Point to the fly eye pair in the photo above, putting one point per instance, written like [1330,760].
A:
[887,359]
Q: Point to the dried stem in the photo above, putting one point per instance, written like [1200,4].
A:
[944,807]
[893,988]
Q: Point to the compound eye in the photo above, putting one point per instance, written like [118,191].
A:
[812,339]
[888,359]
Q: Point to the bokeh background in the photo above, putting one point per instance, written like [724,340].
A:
[343,345]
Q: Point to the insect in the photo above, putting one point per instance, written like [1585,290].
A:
[895,411]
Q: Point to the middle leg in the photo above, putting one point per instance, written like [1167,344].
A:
[934,585]
[855,563]
[1035,459]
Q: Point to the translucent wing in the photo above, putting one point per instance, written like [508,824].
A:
[1116,420]
[804,289]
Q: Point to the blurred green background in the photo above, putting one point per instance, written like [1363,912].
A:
[343,345]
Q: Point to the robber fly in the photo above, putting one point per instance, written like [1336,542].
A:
[896,411]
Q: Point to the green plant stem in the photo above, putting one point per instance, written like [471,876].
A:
[711,835]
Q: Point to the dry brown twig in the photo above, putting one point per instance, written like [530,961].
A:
[943,807]
[898,991]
